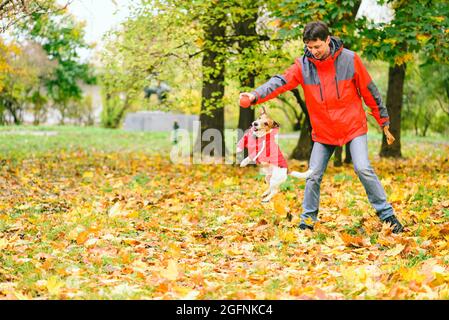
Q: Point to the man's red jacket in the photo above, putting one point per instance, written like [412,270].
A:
[333,90]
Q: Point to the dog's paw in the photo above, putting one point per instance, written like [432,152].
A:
[266,200]
[245,162]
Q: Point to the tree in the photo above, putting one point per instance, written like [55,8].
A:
[426,107]
[18,78]
[259,52]
[417,26]
[61,36]
[7,52]
[39,67]
[158,42]
[14,11]
[213,23]
[247,39]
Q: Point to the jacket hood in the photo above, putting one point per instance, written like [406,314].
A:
[335,45]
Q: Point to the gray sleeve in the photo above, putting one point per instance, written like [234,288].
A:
[377,97]
[269,86]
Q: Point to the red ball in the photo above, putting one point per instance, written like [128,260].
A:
[245,102]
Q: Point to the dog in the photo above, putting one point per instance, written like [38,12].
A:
[260,140]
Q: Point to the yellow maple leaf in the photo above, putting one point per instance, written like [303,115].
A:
[3,243]
[228,181]
[82,237]
[288,236]
[171,273]
[24,206]
[352,240]
[191,295]
[422,37]
[199,42]
[422,216]
[175,250]
[88,175]
[117,210]
[396,196]
[20,296]
[410,273]
[396,250]
[54,285]
[390,41]
[404,58]
[280,205]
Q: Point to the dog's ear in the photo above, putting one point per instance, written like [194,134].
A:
[263,111]
[275,124]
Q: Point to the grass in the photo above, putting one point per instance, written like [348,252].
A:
[24,142]
[20,142]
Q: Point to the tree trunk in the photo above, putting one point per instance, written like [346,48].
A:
[297,126]
[10,105]
[348,157]
[62,111]
[16,117]
[338,155]
[212,110]
[245,29]
[304,147]
[338,159]
[396,77]
[298,116]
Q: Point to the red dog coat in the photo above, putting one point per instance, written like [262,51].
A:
[263,149]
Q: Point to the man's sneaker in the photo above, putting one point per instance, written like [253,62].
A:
[304,226]
[394,222]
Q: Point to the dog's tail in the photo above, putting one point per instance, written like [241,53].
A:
[301,175]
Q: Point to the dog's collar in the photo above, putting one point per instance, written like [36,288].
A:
[266,134]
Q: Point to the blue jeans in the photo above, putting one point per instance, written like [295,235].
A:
[319,158]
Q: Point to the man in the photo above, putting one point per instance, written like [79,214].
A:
[334,80]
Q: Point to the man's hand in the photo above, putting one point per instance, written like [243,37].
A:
[390,138]
[245,162]
[251,96]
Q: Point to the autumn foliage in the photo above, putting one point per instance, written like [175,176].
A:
[89,224]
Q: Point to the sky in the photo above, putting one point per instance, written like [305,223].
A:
[372,10]
[100,16]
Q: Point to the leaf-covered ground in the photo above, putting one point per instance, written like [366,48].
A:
[96,223]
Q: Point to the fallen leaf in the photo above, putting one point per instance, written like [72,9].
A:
[351,240]
[3,243]
[88,175]
[82,237]
[54,285]
[171,273]
[280,205]
[395,251]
